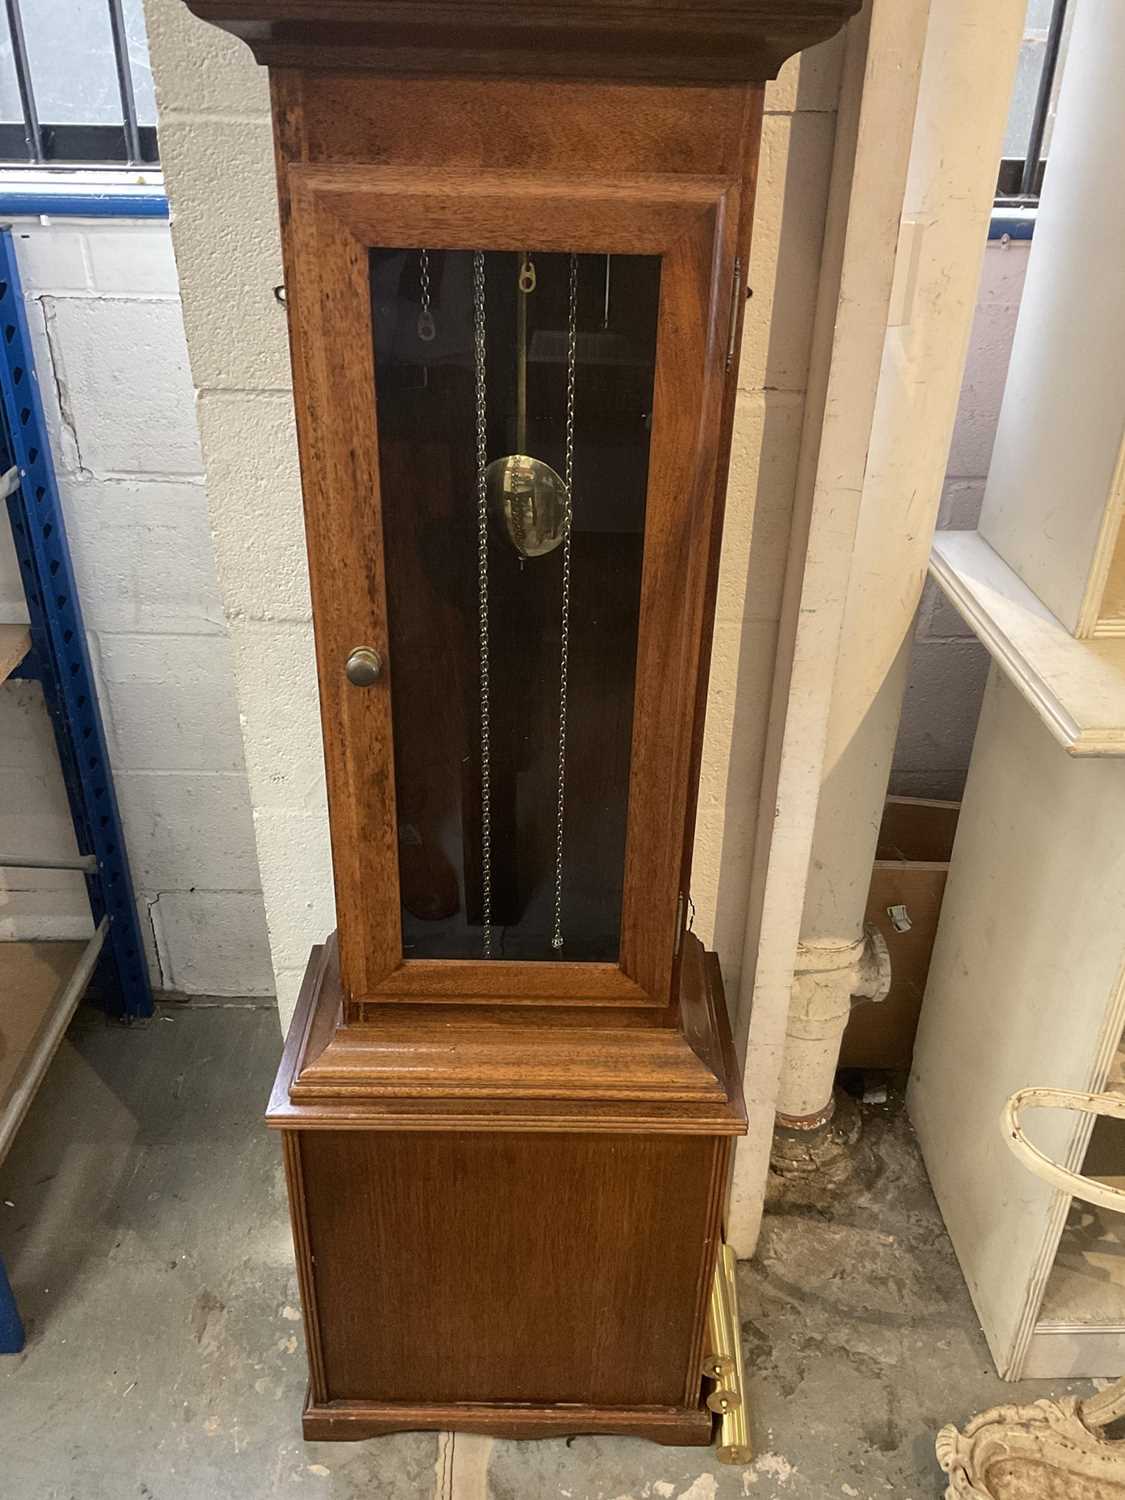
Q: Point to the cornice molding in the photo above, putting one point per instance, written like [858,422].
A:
[669,41]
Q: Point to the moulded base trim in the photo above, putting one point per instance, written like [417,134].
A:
[1067,1351]
[352,1421]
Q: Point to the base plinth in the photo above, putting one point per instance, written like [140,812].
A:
[687,1427]
[487,1242]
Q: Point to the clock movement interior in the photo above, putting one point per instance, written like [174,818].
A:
[514,413]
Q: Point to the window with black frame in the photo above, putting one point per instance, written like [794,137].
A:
[75,85]
[1027,139]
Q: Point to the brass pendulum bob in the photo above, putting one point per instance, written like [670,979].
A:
[526,497]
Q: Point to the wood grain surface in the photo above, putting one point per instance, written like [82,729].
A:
[560,1268]
[699,224]
[688,1426]
[678,41]
[429,1067]
[506,1179]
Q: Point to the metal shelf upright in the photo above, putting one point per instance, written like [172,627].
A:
[41,984]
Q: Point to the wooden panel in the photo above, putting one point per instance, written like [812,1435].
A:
[919,829]
[1111,614]
[419,1059]
[1067,1354]
[32,977]
[41,985]
[734,41]
[351,1420]
[336,214]
[912,861]
[518,125]
[15,643]
[493,210]
[530,1268]
[882,1035]
[499,1068]
[298,1219]
[466,980]
[1027,986]
[677,590]
[333,386]
[1086,1287]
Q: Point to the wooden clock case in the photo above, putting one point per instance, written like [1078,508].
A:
[507,1178]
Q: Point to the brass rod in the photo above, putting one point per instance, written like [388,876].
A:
[725,1356]
[734,1429]
[720,1363]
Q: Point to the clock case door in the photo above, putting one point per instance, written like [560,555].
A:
[334,215]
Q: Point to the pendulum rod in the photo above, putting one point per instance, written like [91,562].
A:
[482,606]
[526,287]
[564,631]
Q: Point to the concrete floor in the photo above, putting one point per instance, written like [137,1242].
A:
[143,1222]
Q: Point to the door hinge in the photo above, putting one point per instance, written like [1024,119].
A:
[733,331]
[679,925]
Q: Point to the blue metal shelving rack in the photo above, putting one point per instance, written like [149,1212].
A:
[59,659]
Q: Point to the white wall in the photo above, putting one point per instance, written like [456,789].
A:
[798,134]
[103,307]
[948,664]
[217,153]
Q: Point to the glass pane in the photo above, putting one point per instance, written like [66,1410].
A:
[477,751]
[73,73]
[1029,72]
[144,91]
[1025,88]
[9,89]
[1052,108]
[70,50]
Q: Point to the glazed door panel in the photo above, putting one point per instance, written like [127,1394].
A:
[514,412]
[509,397]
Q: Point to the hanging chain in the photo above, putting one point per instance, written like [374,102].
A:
[426,326]
[482,607]
[564,630]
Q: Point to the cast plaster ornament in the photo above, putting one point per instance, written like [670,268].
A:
[1049,1449]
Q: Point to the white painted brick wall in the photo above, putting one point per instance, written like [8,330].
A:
[217,152]
[103,306]
[948,665]
[798,134]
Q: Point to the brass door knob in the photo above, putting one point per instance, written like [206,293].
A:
[364,666]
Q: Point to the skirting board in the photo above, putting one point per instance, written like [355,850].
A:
[347,1421]
[1067,1351]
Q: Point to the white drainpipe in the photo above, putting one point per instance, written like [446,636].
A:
[873,455]
[827,984]
[967,70]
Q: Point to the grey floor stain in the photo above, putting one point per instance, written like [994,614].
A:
[148,1240]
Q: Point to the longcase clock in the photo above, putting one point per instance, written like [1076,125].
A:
[515,244]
